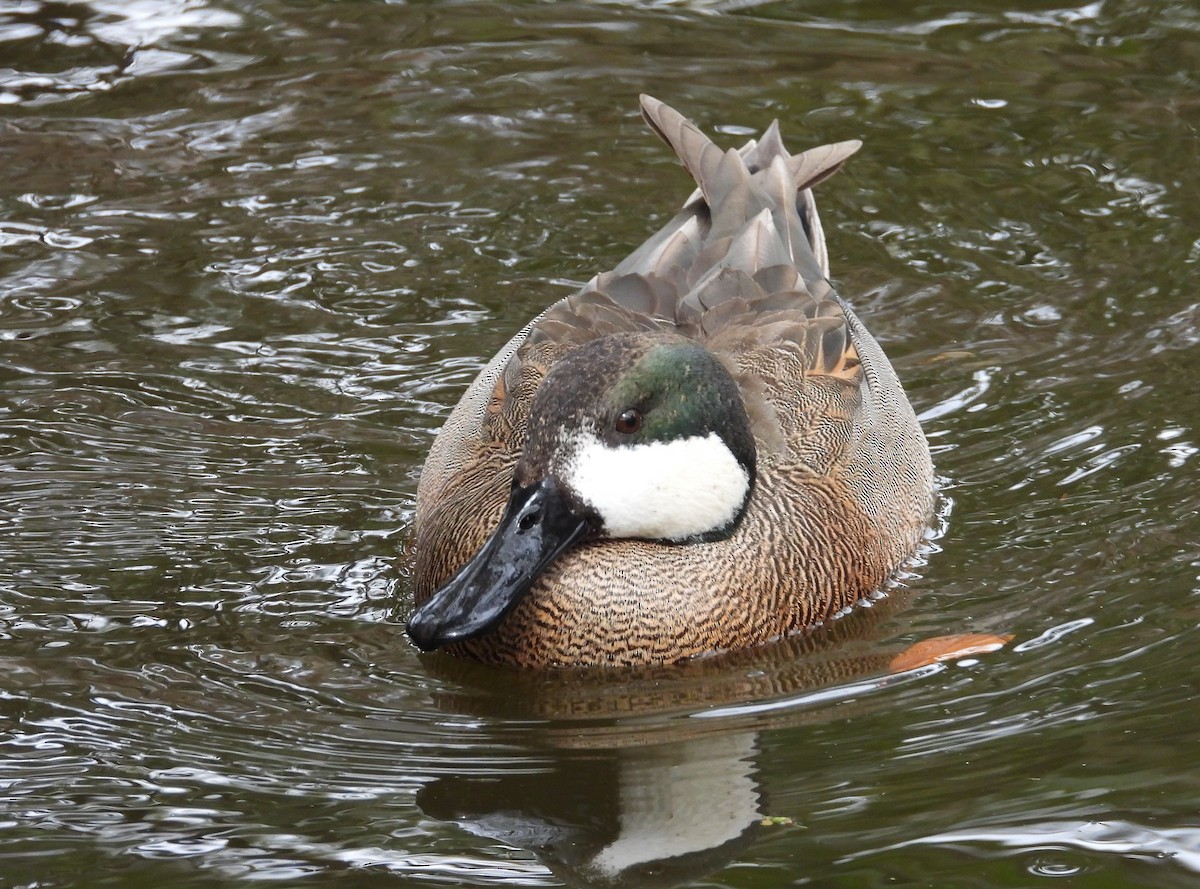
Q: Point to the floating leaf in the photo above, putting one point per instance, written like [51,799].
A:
[945,648]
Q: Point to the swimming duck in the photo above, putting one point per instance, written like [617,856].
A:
[701,450]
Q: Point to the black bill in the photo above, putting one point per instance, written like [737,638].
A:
[537,525]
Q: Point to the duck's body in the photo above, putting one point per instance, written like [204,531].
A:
[726,453]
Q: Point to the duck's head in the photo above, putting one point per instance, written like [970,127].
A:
[629,436]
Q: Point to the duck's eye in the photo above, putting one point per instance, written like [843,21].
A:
[629,422]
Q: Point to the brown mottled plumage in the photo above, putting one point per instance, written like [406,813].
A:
[843,484]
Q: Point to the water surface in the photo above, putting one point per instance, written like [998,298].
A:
[250,255]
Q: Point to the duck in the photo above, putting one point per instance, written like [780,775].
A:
[702,450]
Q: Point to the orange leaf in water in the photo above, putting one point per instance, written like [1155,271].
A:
[944,648]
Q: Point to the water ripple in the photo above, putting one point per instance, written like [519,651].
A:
[251,257]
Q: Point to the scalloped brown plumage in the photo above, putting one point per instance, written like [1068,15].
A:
[844,485]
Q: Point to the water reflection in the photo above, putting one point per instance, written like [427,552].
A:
[60,49]
[1057,844]
[652,816]
[251,253]
[646,777]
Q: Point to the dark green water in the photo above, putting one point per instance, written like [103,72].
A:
[251,253]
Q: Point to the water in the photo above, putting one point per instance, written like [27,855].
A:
[250,254]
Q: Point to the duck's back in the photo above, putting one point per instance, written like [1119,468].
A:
[844,487]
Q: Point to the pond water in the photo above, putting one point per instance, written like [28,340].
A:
[252,252]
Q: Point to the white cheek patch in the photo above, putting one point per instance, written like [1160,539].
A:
[662,490]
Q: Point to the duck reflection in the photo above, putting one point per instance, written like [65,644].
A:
[641,816]
[633,785]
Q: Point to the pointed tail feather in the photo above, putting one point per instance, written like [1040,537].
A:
[738,186]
